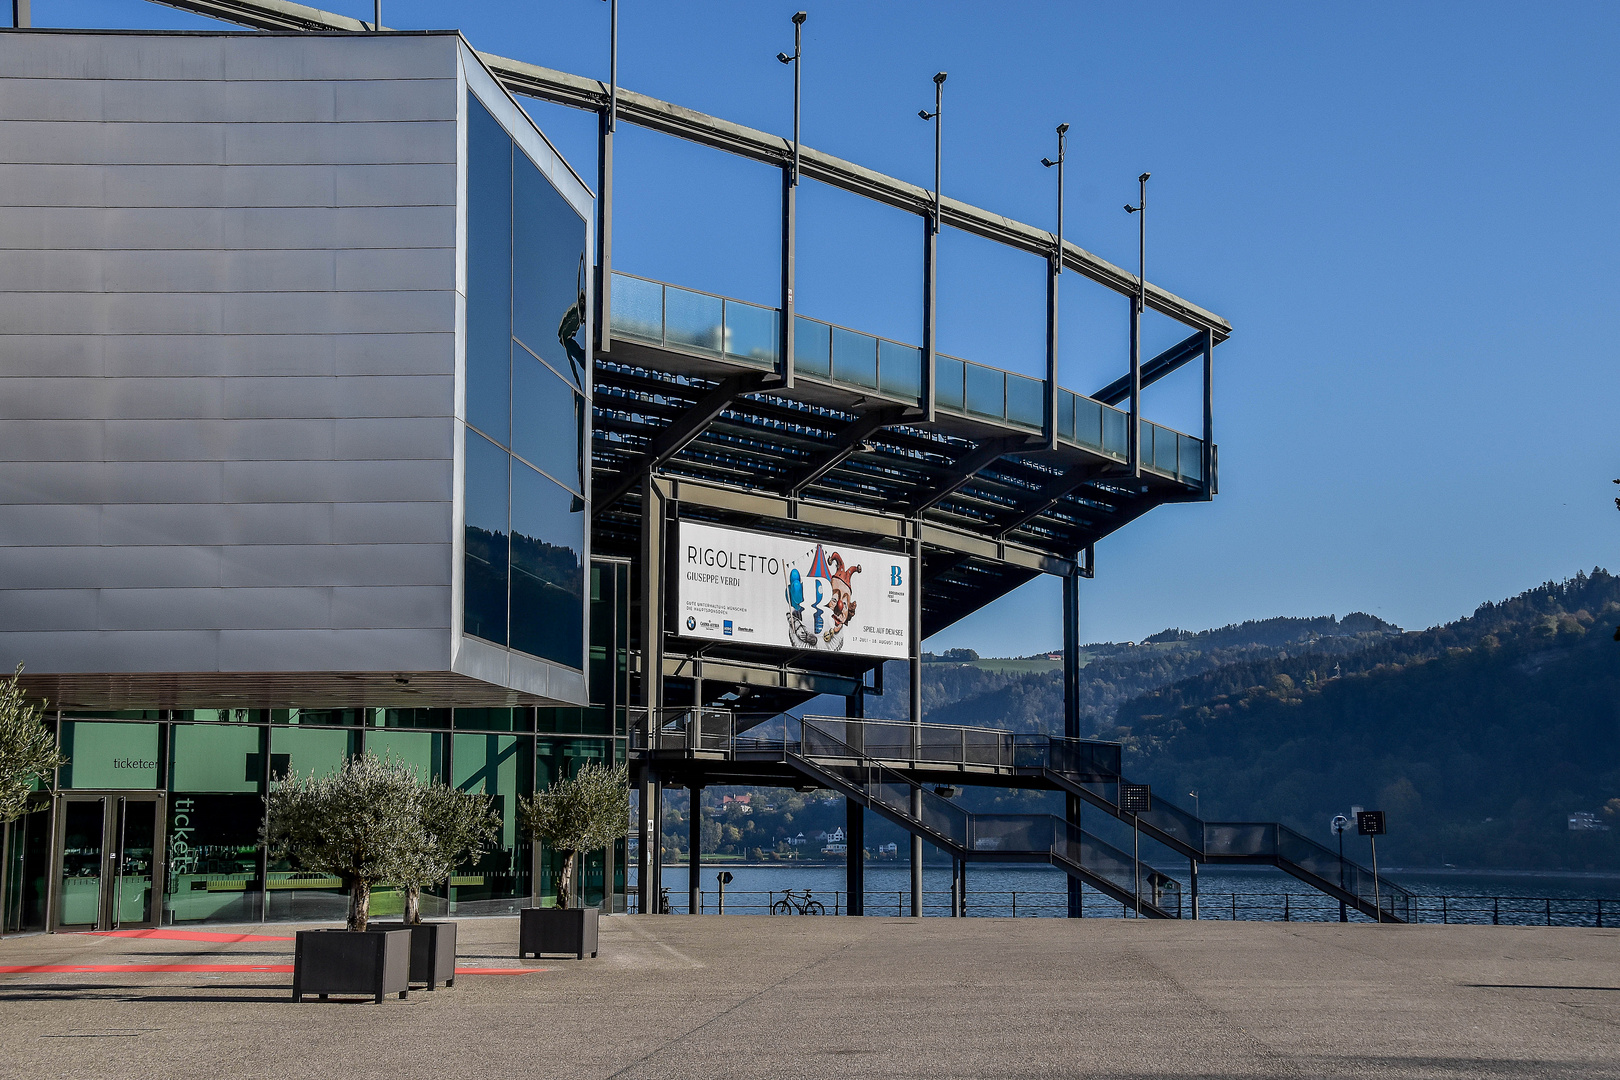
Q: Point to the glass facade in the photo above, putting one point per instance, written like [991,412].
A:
[193,782]
[527,514]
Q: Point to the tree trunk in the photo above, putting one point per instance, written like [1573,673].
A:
[565,880]
[359,904]
[413,904]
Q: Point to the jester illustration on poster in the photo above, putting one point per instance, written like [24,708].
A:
[791,592]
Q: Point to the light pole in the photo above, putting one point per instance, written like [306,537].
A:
[606,123]
[939,101]
[1133,437]
[1340,824]
[798,71]
[790,207]
[1056,271]
[1197,806]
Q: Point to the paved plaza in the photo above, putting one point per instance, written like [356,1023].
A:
[738,996]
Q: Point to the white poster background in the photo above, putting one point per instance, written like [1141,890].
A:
[741,586]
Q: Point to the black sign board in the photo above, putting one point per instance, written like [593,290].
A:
[1370,823]
[724,877]
[1135,798]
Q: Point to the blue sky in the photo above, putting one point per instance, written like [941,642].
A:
[1408,213]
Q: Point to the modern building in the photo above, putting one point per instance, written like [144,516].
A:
[331,426]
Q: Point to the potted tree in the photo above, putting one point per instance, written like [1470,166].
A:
[28,754]
[361,824]
[586,811]
[457,828]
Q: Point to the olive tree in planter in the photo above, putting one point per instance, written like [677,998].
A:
[362,824]
[28,754]
[457,828]
[584,812]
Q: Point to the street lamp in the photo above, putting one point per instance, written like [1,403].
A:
[1197,806]
[1063,142]
[1339,824]
[1138,305]
[939,101]
[798,70]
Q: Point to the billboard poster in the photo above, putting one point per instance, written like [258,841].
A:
[789,592]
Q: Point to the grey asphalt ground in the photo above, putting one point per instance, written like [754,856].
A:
[741,996]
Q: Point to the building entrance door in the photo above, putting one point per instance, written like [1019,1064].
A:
[109,861]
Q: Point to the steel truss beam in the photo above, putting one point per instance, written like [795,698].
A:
[662,116]
[969,465]
[1054,492]
[1155,369]
[845,443]
[679,434]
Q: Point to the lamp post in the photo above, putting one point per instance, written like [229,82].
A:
[1133,437]
[790,207]
[939,101]
[1340,824]
[606,124]
[1055,272]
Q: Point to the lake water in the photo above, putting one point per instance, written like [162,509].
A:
[1225,892]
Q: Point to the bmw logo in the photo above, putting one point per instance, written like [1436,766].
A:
[691,623]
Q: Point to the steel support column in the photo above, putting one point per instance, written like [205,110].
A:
[854,824]
[1209,415]
[1192,876]
[651,632]
[790,243]
[649,842]
[930,354]
[1071,707]
[604,232]
[19,14]
[694,849]
[916,712]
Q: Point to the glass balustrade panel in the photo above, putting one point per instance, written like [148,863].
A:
[1088,422]
[1113,431]
[854,358]
[984,390]
[693,320]
[1026,401]
[638,308]
[1190,458]
[948,382]
[900,370]
[1066,414]
[812,347]
[752,332]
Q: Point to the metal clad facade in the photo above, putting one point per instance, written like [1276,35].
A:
[228,338]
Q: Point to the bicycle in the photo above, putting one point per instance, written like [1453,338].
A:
[794,904]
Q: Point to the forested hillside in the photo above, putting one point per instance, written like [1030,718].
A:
[1479,738]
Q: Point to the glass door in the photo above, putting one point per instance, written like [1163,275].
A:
[109,862]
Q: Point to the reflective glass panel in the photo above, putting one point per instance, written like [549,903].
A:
[1026,400]
[211,757]
[638,308]
[947,382]
[79,889]
[484,603]
[1164,449]
[548,421]
[751,332]
[213,858]
[1065,414]
[984,390]
[136,838]
[495,719]
[302,751]
[812,347]
[109,755]
[548,569]
[489,272]
[501,766]
[410,718]
[421,750]
[854,357]
[1191,460]
[549,271]
[900,370]
[692,319]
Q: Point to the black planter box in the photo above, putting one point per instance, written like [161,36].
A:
[557,930]
[372,962]
[433,951]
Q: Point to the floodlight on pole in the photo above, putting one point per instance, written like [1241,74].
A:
[1063,151]
[1133,435]
[798,72]
[939,101]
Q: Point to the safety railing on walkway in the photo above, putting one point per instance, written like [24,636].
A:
[719,327]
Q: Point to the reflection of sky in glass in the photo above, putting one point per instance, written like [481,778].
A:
[489,271]
[548,571]
[547,420]
[549,267]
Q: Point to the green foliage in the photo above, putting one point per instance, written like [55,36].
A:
[584,812]
[363,824]
[458,827]
[28,754]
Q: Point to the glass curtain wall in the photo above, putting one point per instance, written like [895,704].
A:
[527,497]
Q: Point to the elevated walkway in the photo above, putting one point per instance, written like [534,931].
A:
[888,766]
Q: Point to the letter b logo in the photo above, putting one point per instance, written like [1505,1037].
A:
[894,575]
